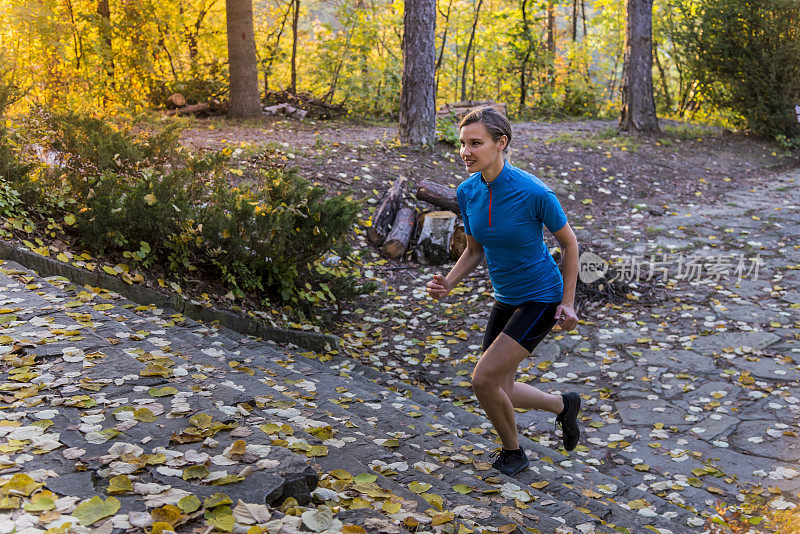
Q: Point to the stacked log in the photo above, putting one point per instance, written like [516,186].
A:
[193,109]
[433,246]
[385,213]
[439,195]
[458,244]
[438,238]
[399,237]
[175,101]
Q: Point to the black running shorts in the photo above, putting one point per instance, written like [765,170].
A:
[527,323]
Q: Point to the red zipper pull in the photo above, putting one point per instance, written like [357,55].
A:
[490,205]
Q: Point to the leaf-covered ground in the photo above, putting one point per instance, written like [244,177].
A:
[128,417]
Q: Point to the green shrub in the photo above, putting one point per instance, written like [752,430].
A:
[746,56]
[580,101]
[447,131]
[90,145]
[145,199]
[267,234]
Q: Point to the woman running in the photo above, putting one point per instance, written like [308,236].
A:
[503,209]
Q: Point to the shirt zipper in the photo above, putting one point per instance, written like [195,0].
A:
[490,204]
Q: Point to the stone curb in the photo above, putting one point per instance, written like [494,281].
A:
[144,295]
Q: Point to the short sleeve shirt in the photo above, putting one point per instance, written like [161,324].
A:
[506,217]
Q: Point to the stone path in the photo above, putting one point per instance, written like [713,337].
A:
[119,417]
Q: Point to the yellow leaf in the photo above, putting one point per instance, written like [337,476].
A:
[159,527]
[442,518]
[21,484]
[434,500]
[391,507]
[341,474]
[119,484]
[41,502]
[69,219]
[150,199]
[189,504]
[353,529]
[218,499]
[109,270]
[95,509]
[539,485]
[318,450]
[166,514]
[462,489]
[419,487]
[103,307]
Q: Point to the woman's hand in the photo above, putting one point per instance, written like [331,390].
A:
[566,318]
[439,287]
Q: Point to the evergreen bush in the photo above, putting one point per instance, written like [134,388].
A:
[144,198]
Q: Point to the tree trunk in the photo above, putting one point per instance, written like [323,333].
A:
[438,195]
[244,97]
[397,241]
[295,30]
[417,96]
[664,84]
[638,106]
[384,214]
[523,82]
[469,49]
[551,43]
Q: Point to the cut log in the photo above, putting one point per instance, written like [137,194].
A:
[188,110]
[176,100]
[438,195]
[397,241]
[384,214]
[433,246]
[286,109]
[458,244]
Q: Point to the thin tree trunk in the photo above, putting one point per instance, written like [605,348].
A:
[274,50]
[244,98]
[638,106]
[574,20]
[444,36]
[295,19]
[551,43]
[76,37]
[469,49]
[662,74]
[583,16]
[523,81]
[417,95]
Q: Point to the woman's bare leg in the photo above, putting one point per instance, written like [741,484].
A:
[494,386]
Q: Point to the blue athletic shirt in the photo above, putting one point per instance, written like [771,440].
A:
[506,218]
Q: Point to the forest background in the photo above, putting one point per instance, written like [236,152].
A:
[83,84]
[553,58]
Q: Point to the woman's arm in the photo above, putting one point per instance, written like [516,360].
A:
[472,256]
[565,314]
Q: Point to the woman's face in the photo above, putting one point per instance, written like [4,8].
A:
[478,150]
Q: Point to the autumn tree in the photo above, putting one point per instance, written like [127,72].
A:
[244,98]
[638,104]
[417,96]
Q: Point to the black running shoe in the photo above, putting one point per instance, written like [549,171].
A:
[510,462]
[568,419]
